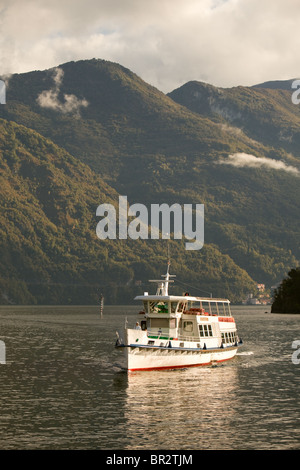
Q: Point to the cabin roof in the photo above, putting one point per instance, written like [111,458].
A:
[178,298]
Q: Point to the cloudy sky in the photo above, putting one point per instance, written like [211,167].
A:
[166,42]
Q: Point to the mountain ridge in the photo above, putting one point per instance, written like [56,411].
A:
[267,115]
[144,144]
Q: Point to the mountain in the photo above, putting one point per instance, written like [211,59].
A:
[101,112]
[264,112]
[132,139]
[49,249]
[277,84]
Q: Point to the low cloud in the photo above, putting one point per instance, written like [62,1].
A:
[50,98]
[166,42]
[242,160]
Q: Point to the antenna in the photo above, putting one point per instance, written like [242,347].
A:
[162,287]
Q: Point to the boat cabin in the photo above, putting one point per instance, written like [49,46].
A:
[183,317]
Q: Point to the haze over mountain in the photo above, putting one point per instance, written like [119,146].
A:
[83,133]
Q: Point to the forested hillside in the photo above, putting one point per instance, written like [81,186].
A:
[49,249]
[86,132]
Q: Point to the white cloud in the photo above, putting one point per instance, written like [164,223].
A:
[50,99]
[166,42]
[242,160]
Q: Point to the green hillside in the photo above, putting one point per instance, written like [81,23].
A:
[132,139]
[49,249]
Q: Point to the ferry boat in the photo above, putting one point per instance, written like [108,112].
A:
[174,331]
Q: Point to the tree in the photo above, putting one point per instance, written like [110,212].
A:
[287,295]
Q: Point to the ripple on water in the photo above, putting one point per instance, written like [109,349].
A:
[63,387]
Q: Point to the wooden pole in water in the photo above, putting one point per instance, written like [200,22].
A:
[101,305]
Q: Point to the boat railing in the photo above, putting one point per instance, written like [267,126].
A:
[188,338]
[162,335]
[159,334]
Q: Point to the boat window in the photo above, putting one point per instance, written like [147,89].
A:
[227,309]
[206,307]
[160,307]
[188,326]
[205,330]
[173,307]
[153,307]
[229,337]
[214,308]
[181,307]
[232,337]
[145,306]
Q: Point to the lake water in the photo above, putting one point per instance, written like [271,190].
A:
[62,386]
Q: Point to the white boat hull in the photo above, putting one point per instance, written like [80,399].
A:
[142,358]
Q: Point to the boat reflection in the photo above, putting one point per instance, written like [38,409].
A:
[197,405]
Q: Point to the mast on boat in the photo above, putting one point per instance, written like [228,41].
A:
[163,286]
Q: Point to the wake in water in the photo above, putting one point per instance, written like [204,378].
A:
[246,353]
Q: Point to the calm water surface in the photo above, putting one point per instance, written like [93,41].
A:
[62,386]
